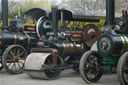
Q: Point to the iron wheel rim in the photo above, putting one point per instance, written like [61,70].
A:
[92,69]
[125,71]
[14,59]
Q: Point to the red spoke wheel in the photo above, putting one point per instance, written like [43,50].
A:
[13,59]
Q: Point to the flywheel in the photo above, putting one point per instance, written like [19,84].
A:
[90,34]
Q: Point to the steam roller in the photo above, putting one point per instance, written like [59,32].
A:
[53,56]
[58,50]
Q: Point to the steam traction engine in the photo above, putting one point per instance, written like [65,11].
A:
[111,55]
[59,49]
[15,42]
[14,47]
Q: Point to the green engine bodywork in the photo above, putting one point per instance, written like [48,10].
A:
[110,62]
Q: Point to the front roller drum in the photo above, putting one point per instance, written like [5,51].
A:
[34,66]
[122,69]
[90,67]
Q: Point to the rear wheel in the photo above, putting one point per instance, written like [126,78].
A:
[90,67]
[122,69]
[13,59]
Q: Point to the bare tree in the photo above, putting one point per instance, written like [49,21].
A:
[98,5]
[13,5]
[82,4]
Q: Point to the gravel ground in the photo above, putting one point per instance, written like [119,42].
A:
[68,77]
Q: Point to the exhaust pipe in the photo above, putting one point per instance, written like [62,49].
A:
[55,20]
[110,12]
[5,14]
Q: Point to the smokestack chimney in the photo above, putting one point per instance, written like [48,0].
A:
[55,20]
[5,14]
[110,12]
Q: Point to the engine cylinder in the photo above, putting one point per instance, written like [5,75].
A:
[73,48]
[68,48]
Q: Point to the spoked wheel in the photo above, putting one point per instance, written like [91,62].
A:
[90,67]
[13,59]
[1,65]
[122,69]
